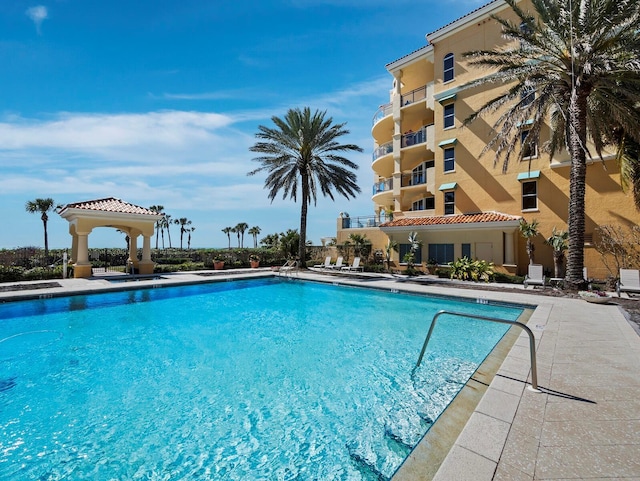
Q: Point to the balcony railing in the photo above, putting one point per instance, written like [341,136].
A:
[360,222]
[383,186]
[414,138]
[382,112]
[384,149]
[414,96]
[413,179]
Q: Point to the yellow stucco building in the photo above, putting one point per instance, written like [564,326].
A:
[430,176]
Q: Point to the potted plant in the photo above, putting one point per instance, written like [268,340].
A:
[596,297]
[254,260]
[218,262]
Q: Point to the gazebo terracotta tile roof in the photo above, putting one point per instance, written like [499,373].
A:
[110,204]
[477,218]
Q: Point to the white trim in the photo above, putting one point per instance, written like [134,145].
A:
[426,51]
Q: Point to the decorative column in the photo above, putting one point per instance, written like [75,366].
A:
[509,257]
[145,266]
[82,266]
[133,250]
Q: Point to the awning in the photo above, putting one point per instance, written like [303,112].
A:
[449,186]
[448,142]
[533,174]
[447,98]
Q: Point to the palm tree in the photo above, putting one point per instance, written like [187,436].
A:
[189,237]
[302,156]
[240,228]
[529,230]
[388,251]
[158,209]
[43,206]
[558,241]
[237,232]
[167,224]
[255,231]
[183,222]
[228,230]
[577,65]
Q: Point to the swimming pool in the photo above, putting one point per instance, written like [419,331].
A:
[263,379]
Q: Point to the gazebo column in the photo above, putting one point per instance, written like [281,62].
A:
[509,262]
[82,266]
[133,250]
[146,264]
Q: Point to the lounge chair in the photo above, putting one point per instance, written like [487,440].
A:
[326,265]
[535,276]
[353,267]
[337,265]
[629,281]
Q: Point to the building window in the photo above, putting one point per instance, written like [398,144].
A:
[530,195]
[449,116]
[528,145]
[448,67]
[441,253]
[449,159]
[427,203]
[466,251]
[527,96]
[449,202]
[404,249]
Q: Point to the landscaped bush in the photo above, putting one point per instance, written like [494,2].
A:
[465,269]
[11,273]
[507,278]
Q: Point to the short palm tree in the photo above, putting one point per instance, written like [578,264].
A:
[577,64]
[558,242]
[42,206]
[183,222]
[240,229]
[255,232]
[167,223]
[529,230]
[302,157]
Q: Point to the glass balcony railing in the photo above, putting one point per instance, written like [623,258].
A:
[417,178]
[414,138]
[361,222]
[384,149]
[382,112]
[414,96]
[383,186]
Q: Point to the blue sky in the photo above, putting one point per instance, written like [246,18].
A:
[158,102]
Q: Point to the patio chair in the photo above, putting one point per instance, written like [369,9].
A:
[326,265]
[535,276]
[337,265]
[629,281]
[353,267]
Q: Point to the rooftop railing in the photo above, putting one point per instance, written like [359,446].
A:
[384,149]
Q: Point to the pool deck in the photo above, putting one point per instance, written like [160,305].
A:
[584,424]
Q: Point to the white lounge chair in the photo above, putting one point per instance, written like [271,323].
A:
[629,281]
[353,267]
[337,265]
[535,277]
[326,265]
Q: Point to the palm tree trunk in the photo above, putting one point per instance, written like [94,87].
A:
[303,222]
[46,237]
[577,188]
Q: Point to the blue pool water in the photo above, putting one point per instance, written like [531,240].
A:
[246,380]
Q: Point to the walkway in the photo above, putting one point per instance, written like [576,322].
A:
[585,424]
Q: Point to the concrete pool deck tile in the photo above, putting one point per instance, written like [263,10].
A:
[587,461]
[520,452]
[462,464]
[590,432]
[603,410]
[484,435]
[505,472]
[499,404]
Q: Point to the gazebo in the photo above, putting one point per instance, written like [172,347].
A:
[134,220]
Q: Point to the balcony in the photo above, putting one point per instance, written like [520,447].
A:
[414,96]
[384,149]
[383,186]
[361,222]
[382,112]
[414,138]
[409,180]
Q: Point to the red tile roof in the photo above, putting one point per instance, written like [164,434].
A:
[480,217]
[110,204]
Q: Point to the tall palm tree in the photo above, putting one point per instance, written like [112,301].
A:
[189,237]
[301,156]
[255,231]
[183,222]
[581,58]
[43,206]
[237,232]
[158,209]
[240,229]
[167,224]
[228,230]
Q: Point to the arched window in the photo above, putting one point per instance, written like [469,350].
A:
[448,67]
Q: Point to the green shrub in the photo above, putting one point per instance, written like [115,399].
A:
[465,269]
[507,278]
[11,273]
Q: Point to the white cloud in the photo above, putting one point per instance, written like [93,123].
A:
[37,14]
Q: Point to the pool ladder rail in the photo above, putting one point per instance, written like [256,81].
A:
[532,344]
[288,269]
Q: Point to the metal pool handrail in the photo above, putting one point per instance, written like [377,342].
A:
[532,344]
